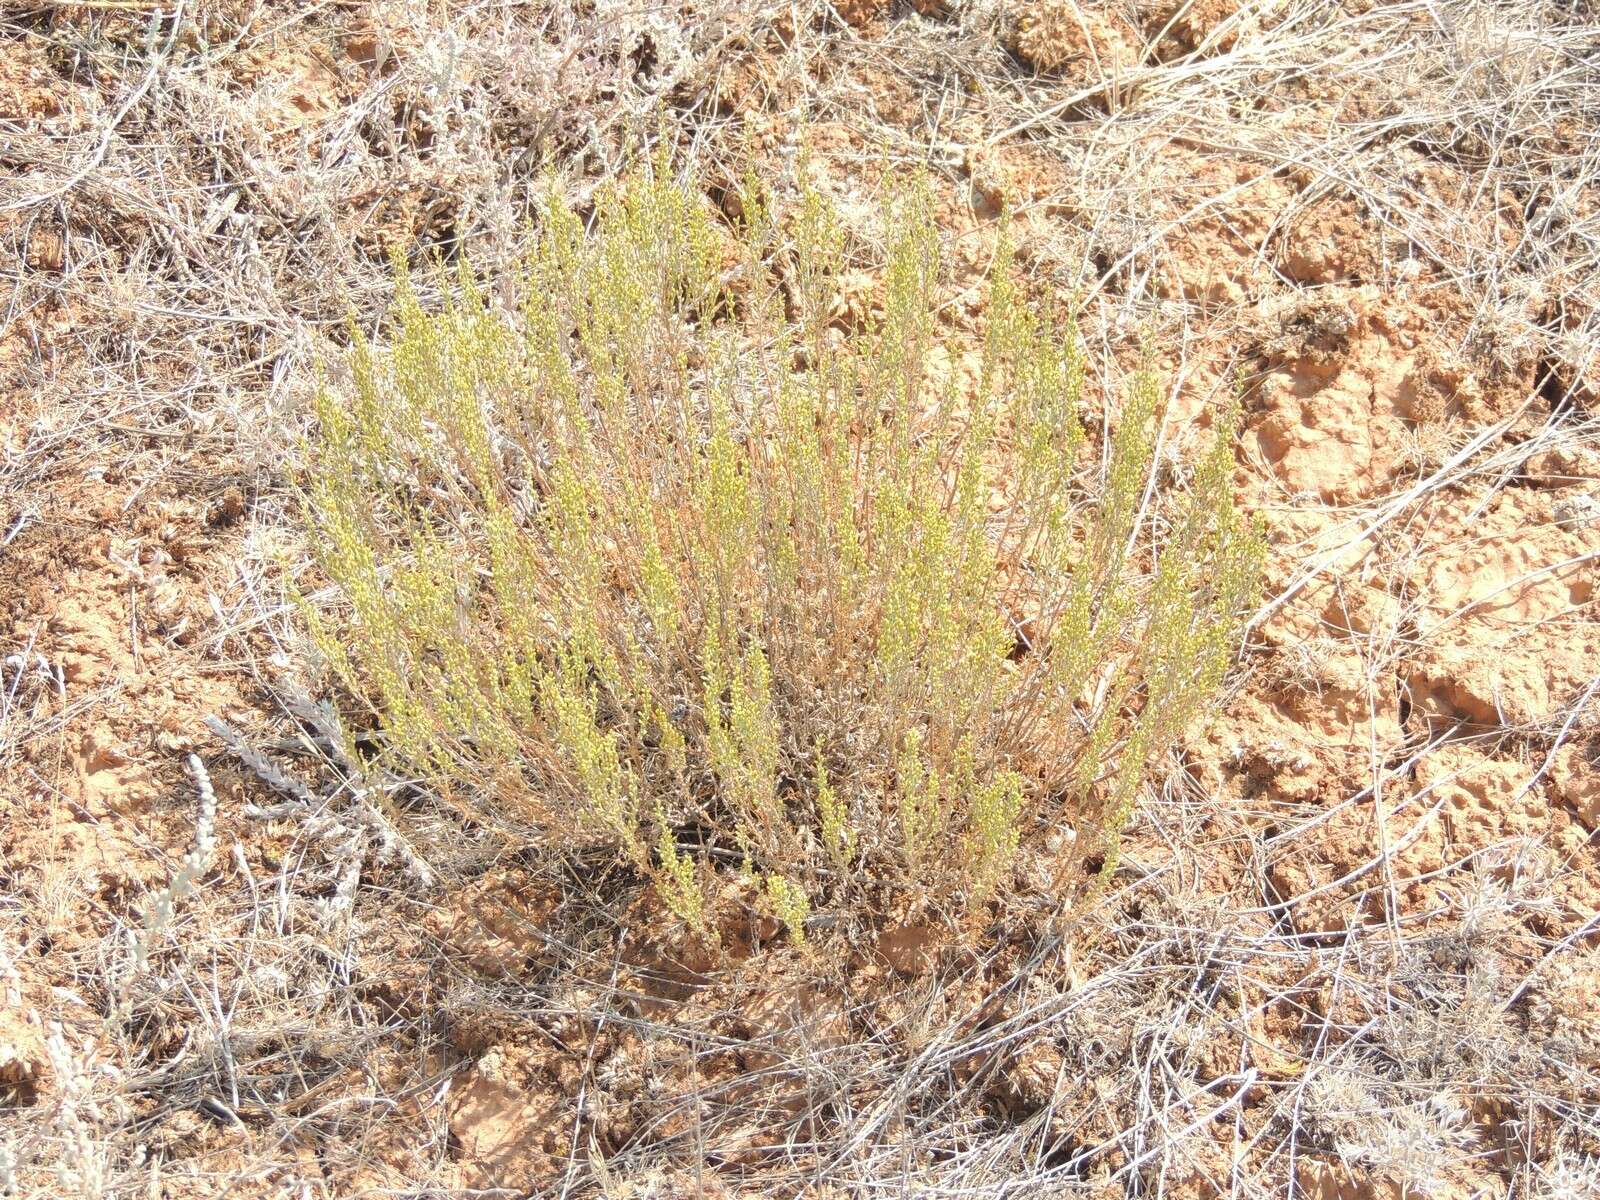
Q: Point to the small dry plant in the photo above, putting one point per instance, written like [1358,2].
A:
[672,564]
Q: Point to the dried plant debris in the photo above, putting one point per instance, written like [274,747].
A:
[1347,945]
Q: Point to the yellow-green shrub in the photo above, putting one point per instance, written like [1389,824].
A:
[667,561]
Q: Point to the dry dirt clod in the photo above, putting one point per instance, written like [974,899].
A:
[910,950]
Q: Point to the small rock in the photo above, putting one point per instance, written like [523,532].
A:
[1577,512]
